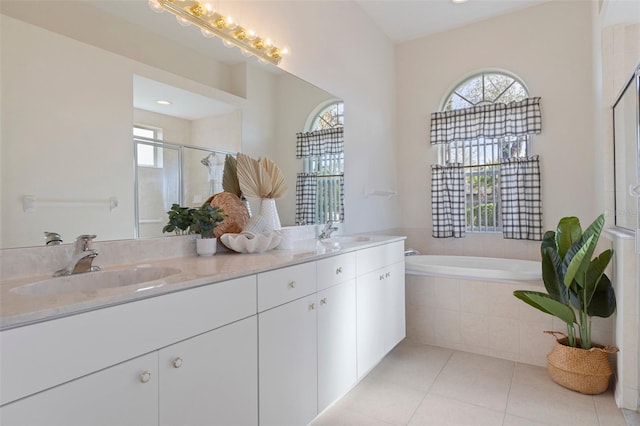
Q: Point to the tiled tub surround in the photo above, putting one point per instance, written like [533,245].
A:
[484,317]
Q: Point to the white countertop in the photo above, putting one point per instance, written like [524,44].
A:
[18,310]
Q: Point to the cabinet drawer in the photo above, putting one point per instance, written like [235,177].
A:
[377,257]
[286,284]
[336,269]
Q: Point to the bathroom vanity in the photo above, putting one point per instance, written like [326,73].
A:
[267,339]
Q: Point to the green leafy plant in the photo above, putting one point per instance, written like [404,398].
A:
[187,220]
[180,219]
[577,286]
[205,219]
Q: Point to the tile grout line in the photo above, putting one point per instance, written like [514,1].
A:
[513,378]
[430,386]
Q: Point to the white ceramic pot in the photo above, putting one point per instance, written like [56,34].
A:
[269,212]
[206,246]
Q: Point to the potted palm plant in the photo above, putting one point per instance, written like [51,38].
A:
[577,290]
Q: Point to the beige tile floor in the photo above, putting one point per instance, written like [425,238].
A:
[419,384]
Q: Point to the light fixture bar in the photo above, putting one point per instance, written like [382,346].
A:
[213,23]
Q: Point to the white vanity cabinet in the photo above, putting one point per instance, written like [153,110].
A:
[380,303]
[336,301]
[337,371]
[275,348]
[125,394]
[287,342]
[87,369]
[212,378]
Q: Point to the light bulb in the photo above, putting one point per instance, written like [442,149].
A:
[155,6]
[207,33]
[251,35]
[268,42]
[284,51]
[230,23]
[210,9]
[183,22]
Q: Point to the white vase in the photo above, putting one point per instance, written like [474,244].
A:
[206,246]
[269,212]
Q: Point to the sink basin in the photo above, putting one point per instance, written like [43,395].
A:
[339,241]
[91,281]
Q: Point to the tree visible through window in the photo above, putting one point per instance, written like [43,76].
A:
[481,157]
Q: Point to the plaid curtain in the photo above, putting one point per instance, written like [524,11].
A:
[521,201]
[447,201]
[487,121]
[306,187]
[320,142]
[342,197]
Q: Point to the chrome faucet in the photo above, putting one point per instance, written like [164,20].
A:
[82,258]
[327,230]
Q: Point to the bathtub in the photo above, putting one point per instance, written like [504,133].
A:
[466,303]
[474,268]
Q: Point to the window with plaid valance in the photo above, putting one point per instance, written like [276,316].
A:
[487,121]
[486,181]
[320,188]
[320,142]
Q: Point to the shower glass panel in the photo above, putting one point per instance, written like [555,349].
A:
[626,123]
[157,186]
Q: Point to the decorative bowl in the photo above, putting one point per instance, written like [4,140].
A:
[243,244]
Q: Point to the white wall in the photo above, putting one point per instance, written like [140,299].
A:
[49,151]
[550,48]
[335,46]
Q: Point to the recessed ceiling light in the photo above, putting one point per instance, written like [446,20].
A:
[459,1]
[163,102]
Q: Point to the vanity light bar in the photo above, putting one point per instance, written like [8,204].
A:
[211,23]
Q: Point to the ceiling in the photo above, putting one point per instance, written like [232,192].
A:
[404,20]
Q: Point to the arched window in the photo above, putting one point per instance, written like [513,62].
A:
[328,116]
[480,158]
[320,188]
[485,88]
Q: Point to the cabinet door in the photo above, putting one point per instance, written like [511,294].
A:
[211,379]
[394,305]
[336,342]
[370,320]
[125,394]
[288,363]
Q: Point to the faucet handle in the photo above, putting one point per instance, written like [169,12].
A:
[83,242]
[52,238]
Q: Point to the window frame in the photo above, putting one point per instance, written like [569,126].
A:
[473,171]
[328,166]
[157,149]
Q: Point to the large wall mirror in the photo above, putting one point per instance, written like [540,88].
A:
[626,124]
[78,77]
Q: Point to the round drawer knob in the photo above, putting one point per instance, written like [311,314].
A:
[323,301]
[177,363]
[339,270]
[312,306]
[292,284]
[145,377]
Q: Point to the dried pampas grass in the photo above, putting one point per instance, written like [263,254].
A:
[260,178]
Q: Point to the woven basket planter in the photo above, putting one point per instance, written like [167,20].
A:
[583,370]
